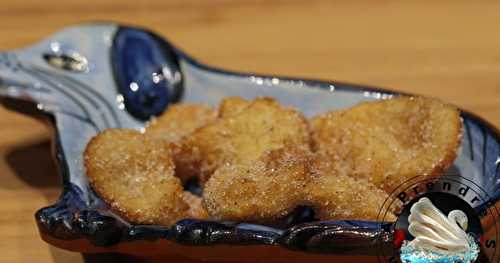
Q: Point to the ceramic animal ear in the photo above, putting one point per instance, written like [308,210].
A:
[147,72]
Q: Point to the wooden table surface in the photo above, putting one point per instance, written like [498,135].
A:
[446,50]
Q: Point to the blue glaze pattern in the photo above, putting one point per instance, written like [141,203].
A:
[330,237]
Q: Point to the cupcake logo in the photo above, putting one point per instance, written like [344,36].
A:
[445,220]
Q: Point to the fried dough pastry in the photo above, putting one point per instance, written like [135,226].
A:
[196,209]
[390,141]
[260,191]
[263,125]
[336,196]
[180,120]
[231,106]
[135,175]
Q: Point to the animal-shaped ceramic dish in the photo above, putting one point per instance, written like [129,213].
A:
[90,77]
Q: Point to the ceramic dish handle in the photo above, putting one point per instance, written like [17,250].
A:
[87,84]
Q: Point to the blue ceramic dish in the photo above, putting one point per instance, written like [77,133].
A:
[91,77]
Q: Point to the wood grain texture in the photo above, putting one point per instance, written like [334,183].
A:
[449,50]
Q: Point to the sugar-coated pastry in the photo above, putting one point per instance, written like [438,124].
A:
[337,196]
[390,141]
[264,125]
[231,106]
[134,174]
[259,191]
[180,120]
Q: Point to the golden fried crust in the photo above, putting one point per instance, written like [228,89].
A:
[336,196]
[231,106]
[263,125]
[390,141]
[135,175]
[196,209]
[180,120]
[187,161]
[260,191]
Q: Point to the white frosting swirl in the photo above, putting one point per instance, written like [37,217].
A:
[436,232]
